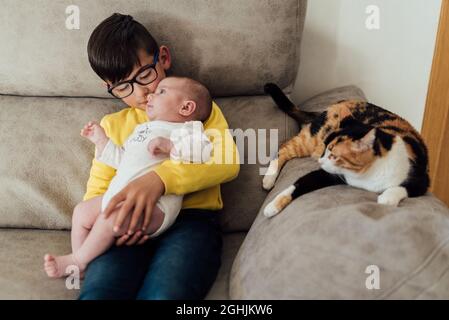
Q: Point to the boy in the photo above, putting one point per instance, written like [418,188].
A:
[183,262]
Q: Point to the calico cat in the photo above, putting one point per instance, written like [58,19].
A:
[356,143]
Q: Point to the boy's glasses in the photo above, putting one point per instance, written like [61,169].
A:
[145,76]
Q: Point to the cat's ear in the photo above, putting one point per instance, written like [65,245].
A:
[366,142]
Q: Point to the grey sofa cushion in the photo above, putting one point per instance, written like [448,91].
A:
[21,264]
[322,243]
[321,101]
[45,162]
[22,274]
[234,47]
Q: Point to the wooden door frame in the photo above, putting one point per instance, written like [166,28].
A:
[435,128]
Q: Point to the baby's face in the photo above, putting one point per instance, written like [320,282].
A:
[166,101]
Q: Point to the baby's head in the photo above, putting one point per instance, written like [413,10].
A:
[179,100]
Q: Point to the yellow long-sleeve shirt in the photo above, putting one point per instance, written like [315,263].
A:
[200,183]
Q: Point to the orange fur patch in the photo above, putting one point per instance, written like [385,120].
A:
[282,202]
[350,159]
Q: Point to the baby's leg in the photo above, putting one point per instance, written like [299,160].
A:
[157,218]
[84,216]
[164,214]
[100,238]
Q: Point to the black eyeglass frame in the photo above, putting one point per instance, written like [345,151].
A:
[134,79]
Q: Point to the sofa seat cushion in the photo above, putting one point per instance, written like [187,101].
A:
[21,264]
[22,274]
[334,242]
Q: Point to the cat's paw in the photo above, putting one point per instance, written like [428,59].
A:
[392,196]
[388,200]
[270,176]
[268,182]
[279,202]
[271,210]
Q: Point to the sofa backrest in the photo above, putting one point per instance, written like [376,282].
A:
[233,46]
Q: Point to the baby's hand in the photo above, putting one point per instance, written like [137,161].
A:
[94,132]
[160,146]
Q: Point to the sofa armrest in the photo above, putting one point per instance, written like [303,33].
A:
[320,102]
[323,243]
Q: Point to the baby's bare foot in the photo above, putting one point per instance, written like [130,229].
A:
[56,266]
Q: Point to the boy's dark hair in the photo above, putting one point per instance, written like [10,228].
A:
[114,45]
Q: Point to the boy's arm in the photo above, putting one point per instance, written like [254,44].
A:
[182,178]
[99,179]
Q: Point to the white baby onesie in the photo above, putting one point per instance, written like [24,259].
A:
[133,159]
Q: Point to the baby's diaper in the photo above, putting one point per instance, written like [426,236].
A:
[170,205]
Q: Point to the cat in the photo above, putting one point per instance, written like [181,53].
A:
[356,143]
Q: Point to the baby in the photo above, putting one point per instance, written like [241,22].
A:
[176,110]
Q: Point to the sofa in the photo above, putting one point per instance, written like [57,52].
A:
[322,246]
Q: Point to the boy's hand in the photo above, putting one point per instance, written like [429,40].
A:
[160,146]
[95,133]
[137,198]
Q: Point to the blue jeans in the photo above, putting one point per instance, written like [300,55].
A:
[182,263]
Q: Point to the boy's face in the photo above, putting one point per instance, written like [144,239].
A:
[166,102]
[139,96]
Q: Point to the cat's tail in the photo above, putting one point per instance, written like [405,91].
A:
[285,104]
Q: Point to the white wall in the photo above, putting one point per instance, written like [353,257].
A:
[392,65]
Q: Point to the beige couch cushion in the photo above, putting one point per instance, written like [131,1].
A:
[233,46]
[21,265]
[322,100]
[322,243]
